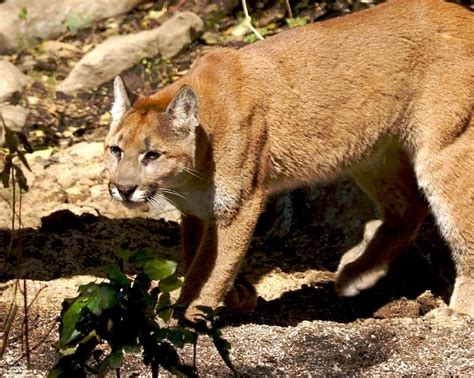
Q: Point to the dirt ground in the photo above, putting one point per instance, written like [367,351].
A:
[300,326]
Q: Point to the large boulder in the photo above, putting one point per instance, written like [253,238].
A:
[12,81]
[118,53]
[25,22]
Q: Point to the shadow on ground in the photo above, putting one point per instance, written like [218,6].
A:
[67,245]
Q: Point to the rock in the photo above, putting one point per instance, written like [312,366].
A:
[14,116]
[86,151]
[25,22]
[399,308]
[60,49]
[12,83]
[118,53]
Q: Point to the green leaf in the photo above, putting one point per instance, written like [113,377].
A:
[86,287]
[116,276]
[132,348]
[115,359]
[21,155]
[141,257]
[163,309]
[159,269]
[223,347]
[71,317]
[123,254]
[168,357]
[25,143]
[296,22]
[20,178]
[103,297]
[180,336]
[141,283]
[6,173]
[23,14]
[11,140]
[169,284]
[56,372]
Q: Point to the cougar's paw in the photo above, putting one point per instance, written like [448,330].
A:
[197,316]
[350,281]
[242,297]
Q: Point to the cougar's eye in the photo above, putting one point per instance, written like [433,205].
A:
[116,151]
[152,155]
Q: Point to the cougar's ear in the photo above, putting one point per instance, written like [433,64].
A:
[121,100]
[183,110]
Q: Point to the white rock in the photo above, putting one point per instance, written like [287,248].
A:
[86,151]
[46,19]
[118,53]
[14,116]
[12,81]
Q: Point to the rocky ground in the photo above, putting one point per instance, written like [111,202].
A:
[57,91]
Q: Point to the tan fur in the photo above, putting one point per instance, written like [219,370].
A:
[386,95]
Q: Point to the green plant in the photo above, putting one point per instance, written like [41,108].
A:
[17,146]
[75,21]
[296,22]
[251,38]
[23,14]
[23,42]
[127,314]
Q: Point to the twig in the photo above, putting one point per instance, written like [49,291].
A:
[53,325]
[25,322]
[9,321]
[12,234]
[195,354]
[248,20]
[288,7]
[7,327]
[36,297]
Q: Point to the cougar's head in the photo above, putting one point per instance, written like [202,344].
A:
[150,152]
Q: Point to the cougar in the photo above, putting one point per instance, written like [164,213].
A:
[385,95]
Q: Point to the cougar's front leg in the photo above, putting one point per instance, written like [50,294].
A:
[215,266]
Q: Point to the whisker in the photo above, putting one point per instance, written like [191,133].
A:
[194,173]
[173,192]
[155,204]
[167,200]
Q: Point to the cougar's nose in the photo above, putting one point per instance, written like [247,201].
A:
[126,190]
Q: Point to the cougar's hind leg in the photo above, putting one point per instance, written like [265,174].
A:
[447,176]
[389,180]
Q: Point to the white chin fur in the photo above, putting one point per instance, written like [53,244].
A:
[138,196]
[115,194]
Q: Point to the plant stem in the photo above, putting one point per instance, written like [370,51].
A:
[26,325]
[248,20]
[290,13]
[7,327]
[155,367]
[12,234]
